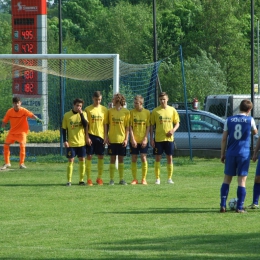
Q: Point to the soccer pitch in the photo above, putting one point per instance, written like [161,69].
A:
[41,218]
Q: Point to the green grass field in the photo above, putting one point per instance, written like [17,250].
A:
[41,218]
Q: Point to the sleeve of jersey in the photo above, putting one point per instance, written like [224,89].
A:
[105,116]
[176,118]
[152,121]
[127,119]
[28,113]
[64,125]
[148,120]
[131,118]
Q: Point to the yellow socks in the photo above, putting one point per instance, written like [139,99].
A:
[121,171]
[100,167]
[144,170]
[134,170]
[169,170]
[112,171]
[157,167]
[81,170]
[69,171]
[88,169]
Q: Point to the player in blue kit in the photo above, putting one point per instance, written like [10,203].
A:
[236,138]
[256,187]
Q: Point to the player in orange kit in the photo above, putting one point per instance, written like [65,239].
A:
[17,116]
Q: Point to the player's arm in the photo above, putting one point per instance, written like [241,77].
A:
[105,133]
[145,140]
[126,136]
[38,120]
[223,146]
[173,130]
[132,138]
[257,147]
[2,127]
[65,137]
[152,127]
[88,140]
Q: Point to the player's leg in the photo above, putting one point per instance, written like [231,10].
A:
[8,141]
[169,149]
[100,150]
[242,172]
[90,152]
[100,166]
[88,169]
[241,193]
[121,155]
[81,153]
[157,151]
[70,154]
[112,151]
[134,154]
[143,152]
[22,140]
[256,189]
[230,171]
[144,168]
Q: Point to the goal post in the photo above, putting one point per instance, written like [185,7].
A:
[29,73]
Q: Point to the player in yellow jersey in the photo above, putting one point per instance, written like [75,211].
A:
[118,120]
[96,136]
[139,130]
[74,126]
[166,121]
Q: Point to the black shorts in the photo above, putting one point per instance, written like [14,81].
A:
[71,152]
[139,149]
[116,149]
[97,147]
[166,147]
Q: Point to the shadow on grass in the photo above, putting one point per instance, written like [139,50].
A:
[34,185]
[204,246]
[168,211]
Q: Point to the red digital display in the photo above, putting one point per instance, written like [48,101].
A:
[25,25]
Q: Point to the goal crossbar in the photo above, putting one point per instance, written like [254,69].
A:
[114,57]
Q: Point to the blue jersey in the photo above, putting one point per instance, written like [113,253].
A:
[239,135]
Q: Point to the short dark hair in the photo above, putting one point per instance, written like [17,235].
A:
[245,105]
[97,94]
[78,100]
[163,94]
[16,99]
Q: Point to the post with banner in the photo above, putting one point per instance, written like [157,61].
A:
[29,36]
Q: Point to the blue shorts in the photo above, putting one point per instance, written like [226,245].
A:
[138,149]
[237,165]
[116,149]
[167,147]
[257,171]
[71,152]
[97,147]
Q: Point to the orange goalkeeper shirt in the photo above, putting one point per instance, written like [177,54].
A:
[18,120]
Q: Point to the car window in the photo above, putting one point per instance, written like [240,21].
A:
[183,123]
[204,123]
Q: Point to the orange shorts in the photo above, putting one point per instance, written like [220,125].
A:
[12,138]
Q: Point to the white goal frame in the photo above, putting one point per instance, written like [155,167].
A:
[115,58]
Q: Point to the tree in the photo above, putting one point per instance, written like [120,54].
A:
[123,29]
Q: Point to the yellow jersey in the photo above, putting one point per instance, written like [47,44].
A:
[163,119]
[97,118]
[118,120]
[76,132]
[139,121]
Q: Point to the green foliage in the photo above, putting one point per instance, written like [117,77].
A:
[48,136]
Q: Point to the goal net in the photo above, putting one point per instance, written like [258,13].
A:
[48,84]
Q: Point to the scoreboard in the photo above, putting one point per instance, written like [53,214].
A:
[29,36]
